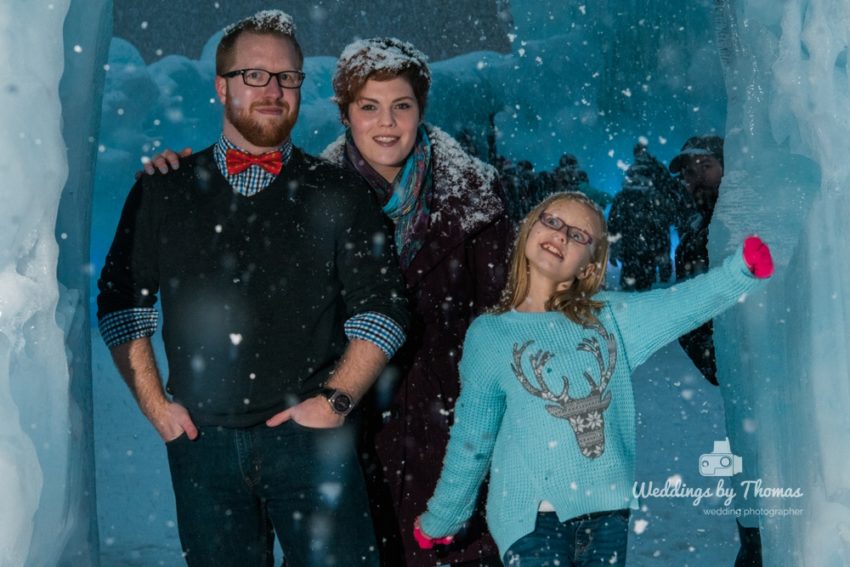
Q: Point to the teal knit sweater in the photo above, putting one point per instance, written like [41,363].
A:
[548,404]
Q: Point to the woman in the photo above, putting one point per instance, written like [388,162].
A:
[452,235]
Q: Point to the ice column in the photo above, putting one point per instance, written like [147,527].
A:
[783,354]
[46,466]
[32,355]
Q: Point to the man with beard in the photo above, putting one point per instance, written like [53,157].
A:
[281,304]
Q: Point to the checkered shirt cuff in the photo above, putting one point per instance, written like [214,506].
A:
[378,329]
[128,324]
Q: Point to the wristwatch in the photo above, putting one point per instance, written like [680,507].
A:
[341,403]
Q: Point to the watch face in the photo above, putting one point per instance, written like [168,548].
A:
[340,402]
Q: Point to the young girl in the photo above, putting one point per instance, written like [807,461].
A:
[546,395]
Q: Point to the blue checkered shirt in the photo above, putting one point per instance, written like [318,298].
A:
[130,324]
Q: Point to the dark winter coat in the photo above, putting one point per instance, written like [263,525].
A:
[459,272]
[640,233]
[692,260]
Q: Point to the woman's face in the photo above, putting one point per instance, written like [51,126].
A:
[383,119]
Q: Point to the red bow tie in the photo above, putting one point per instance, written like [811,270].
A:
[238,161]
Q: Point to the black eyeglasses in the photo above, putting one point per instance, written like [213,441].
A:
[261,77]
[573,233]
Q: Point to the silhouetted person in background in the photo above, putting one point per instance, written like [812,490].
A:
[639,224]
[700,165]
[524,187]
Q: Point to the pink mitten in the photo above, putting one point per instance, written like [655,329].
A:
[426,542]
[757,257]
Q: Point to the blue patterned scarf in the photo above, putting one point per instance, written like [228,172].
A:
[407,200]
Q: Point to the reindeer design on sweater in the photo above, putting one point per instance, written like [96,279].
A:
[585,415]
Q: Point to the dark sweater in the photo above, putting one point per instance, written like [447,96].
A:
[254,290]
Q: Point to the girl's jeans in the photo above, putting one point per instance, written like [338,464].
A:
[593,539]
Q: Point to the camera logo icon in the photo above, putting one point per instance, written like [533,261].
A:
[721,461]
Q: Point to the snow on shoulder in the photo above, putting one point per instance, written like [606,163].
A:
[366,56]
[265,20]
[464,183]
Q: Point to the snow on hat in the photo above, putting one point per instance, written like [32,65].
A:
[698,146]
[265,20]
[366,56]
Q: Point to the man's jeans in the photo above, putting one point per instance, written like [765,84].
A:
[595,539]
[236,488]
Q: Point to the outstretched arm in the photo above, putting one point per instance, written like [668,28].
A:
[647,321]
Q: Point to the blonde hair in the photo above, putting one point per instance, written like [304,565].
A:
[575,302]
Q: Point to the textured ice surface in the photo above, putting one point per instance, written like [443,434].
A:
[33,442]
[46,464]
[783,354]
